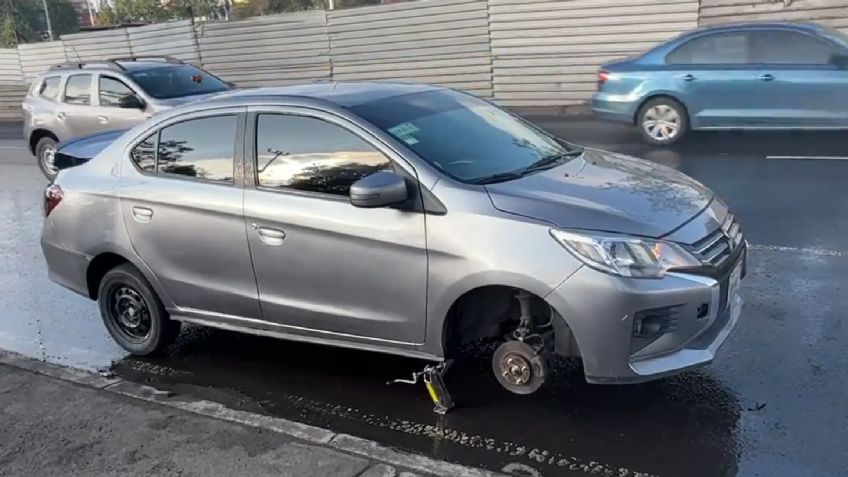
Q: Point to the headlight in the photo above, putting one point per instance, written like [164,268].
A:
[623,255]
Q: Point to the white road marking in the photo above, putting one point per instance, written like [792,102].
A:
[812,251]
[822,158]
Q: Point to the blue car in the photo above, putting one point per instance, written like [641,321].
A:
[739,76]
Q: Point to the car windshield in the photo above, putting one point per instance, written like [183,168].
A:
[174,81]
[465,137]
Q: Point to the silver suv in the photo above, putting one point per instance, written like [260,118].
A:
[77,99]
[403,219]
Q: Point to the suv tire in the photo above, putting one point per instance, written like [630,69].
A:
[662,121]
[45,152]
[133,313]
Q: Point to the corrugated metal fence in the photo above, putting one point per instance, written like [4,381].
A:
[522,53]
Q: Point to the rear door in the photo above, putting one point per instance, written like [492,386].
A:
[714,80]
[110,114]
[76,112]
[182,203]
[798,83]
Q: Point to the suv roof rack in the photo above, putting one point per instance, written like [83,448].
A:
[79,65]
[163,58]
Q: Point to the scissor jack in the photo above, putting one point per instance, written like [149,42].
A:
[433,376]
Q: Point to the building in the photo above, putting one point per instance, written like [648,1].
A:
[85,12]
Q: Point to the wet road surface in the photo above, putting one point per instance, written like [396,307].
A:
[773,404]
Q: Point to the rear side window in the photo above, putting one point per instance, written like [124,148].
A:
[144,154]
[309,154]
[789,48]
[50,87]
[199,148]
[78,90]
[720,48]
[111,91]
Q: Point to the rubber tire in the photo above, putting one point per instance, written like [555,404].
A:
[39,148]
[681,111]
[163,330]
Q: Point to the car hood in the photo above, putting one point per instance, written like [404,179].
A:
[606,192]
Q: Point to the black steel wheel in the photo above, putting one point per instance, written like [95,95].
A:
[133,313]
[519,368]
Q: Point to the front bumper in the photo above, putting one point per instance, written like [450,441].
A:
[601,309]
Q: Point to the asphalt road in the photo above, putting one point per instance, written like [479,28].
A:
[773,404]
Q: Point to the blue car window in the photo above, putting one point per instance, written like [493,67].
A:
[719,48]
[789,47]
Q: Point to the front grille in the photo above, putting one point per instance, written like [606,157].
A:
[716,247]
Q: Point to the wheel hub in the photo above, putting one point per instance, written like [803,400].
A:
[661,122]
[48,159]
[519,367]
[516,369]
[130,313]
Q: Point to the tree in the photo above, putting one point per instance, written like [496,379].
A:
[23,20]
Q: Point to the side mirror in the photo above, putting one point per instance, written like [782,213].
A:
[130,101]
[378,190]
[839,60]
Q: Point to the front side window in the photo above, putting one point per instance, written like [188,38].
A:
[78,90]
[111,92]
[466,138]
[50,87]
[173,81]
[308,154]
[715,49]
[199,148]
[789,48]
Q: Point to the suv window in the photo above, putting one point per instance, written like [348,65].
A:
[50,87]
[200,148]
[309,154]
[78,89]
[720,48]
[173,81]
[788,47]
[111,91]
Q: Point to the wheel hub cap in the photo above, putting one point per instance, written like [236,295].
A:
[516,369]
[48,158]
[661,122]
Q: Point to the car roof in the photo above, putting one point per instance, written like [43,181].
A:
[343,94]
[749,25]
[128,66]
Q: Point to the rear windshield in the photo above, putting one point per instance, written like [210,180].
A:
[174,81]
[466,138]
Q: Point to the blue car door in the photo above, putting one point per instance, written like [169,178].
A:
[800,81]
[712,77]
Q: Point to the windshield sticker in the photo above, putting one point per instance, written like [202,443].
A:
[403,129]
[409,140]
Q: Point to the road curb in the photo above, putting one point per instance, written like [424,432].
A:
[316,435]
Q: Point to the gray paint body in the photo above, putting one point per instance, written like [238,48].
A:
[380,278]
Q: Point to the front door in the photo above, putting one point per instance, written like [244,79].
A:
[110,114]
[182,206]
[321,264]
[799,83]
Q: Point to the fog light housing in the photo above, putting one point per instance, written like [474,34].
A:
[649,325]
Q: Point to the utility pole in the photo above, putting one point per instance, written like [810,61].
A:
[47,17]
[332,4]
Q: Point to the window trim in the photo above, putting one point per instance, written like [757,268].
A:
[113,78]
[703,35]
[90,89]
[238,146]
[251,178]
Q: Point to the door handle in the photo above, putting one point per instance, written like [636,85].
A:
[103,119]
[142,214]
[766,77]
[271,236]
[60,116]
[688,77]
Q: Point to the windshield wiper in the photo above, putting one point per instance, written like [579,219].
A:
[545,162]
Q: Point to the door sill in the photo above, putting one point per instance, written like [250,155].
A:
[259,327]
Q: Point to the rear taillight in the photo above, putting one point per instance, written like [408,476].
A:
[603,76]
[52,196]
